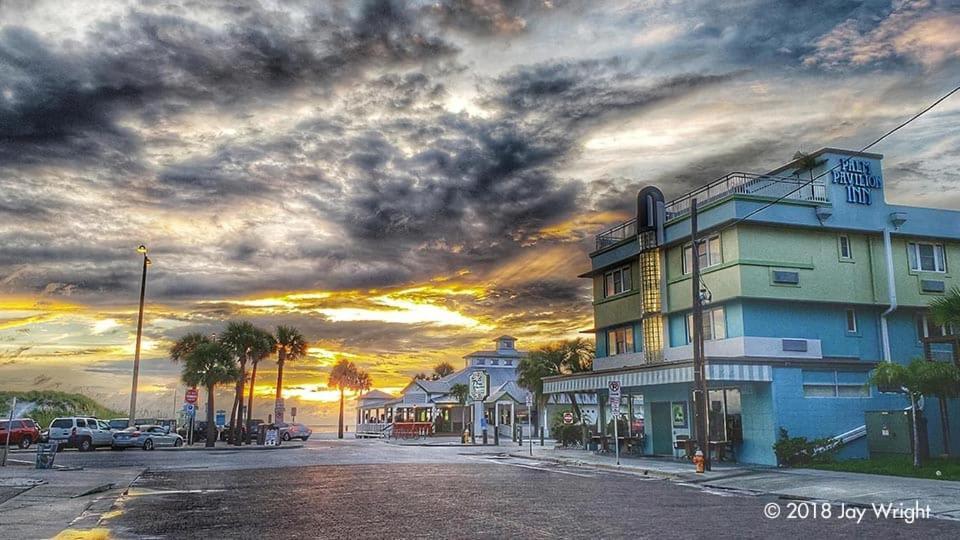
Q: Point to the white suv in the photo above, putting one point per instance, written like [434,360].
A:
[82,432]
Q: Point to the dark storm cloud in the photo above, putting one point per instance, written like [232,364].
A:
[65,101]
[489,17]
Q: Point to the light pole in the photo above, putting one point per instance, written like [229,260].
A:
[136,356]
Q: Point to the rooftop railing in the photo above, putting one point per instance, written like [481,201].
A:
[738,183]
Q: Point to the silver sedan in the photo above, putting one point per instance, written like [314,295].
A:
[146,437]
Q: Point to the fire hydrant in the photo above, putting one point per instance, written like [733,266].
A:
[465,436]
[698,461]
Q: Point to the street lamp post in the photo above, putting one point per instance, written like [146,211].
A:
[136,356]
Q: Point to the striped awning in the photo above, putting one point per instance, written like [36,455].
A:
[660,375]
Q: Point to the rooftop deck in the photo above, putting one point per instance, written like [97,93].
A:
[737,183]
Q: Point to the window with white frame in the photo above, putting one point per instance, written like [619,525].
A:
[927,328]
[617,281]
[846,252]
[708,250]
[620,340]
[714,325]
[926,257]
[842,384]
[851,319]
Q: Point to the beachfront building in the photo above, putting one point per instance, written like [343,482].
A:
[810,279]
[428,406]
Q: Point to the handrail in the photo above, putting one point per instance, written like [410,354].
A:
[736,183]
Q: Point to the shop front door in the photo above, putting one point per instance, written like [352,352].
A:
[661,428]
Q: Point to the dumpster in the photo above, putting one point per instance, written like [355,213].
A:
[46,452]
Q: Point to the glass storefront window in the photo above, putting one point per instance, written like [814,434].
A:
[725,415]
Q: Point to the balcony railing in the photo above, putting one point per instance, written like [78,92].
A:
[622,231]
[797,189]
[738,183]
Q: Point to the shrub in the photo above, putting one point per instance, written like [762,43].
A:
[566,434]
[794,451]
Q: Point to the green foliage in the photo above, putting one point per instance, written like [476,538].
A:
[461,392]
[946,309]
[949,468]
[209,364]
[566,434]
[561,358]
[49,405]
[798,451]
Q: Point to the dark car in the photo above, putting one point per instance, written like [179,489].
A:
[23,433]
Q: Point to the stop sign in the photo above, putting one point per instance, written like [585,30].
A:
[568,418]
[191,395]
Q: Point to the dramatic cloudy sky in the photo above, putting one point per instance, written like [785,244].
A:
[403,181]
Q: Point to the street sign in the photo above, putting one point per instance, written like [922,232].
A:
[293,412]
[221,418]
[191,395]
[189,408]
[278,411]
[529,400]
[614,388]
[568,417]
[479,385]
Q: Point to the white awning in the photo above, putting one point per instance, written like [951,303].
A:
[659,375]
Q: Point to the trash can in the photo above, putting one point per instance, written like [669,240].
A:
[46,453]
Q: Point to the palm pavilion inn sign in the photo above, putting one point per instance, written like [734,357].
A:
[858,179]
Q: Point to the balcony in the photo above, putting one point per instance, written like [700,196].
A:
[738,183]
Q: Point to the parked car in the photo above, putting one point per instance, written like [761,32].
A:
[147,437]
[23,432]
[294,431]
[80,432]
[117,424]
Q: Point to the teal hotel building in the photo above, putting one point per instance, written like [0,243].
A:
[811,279]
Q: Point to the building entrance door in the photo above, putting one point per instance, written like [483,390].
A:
[661,428]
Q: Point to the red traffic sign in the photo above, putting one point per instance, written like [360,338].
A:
[191,395]
[568,418]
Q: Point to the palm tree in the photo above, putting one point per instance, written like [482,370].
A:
[910,378]
[946,309]
[441,370]
[562,358]
[239,338]
[290,346]
[261,349]
[346,376]
[461,392]
[186,344]
[209,364]
[421,377]
[942,381]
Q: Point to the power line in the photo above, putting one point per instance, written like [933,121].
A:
[842,161]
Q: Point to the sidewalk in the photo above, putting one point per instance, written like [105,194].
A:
[42,503]
[943,496]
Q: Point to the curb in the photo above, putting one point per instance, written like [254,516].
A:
[603,466]
[92,516]
[251,448]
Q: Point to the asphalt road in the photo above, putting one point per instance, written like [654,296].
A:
[363,490]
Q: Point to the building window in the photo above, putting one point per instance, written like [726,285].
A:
[709,252]
[616,282]
[926,257]
[851,316]
[845,251]
[620,340]
[714,325]
[841,384]
[926,328]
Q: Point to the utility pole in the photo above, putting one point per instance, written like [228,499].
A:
[136,356]
[696,335]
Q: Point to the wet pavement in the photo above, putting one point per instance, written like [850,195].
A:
[480,498]
[368,488]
